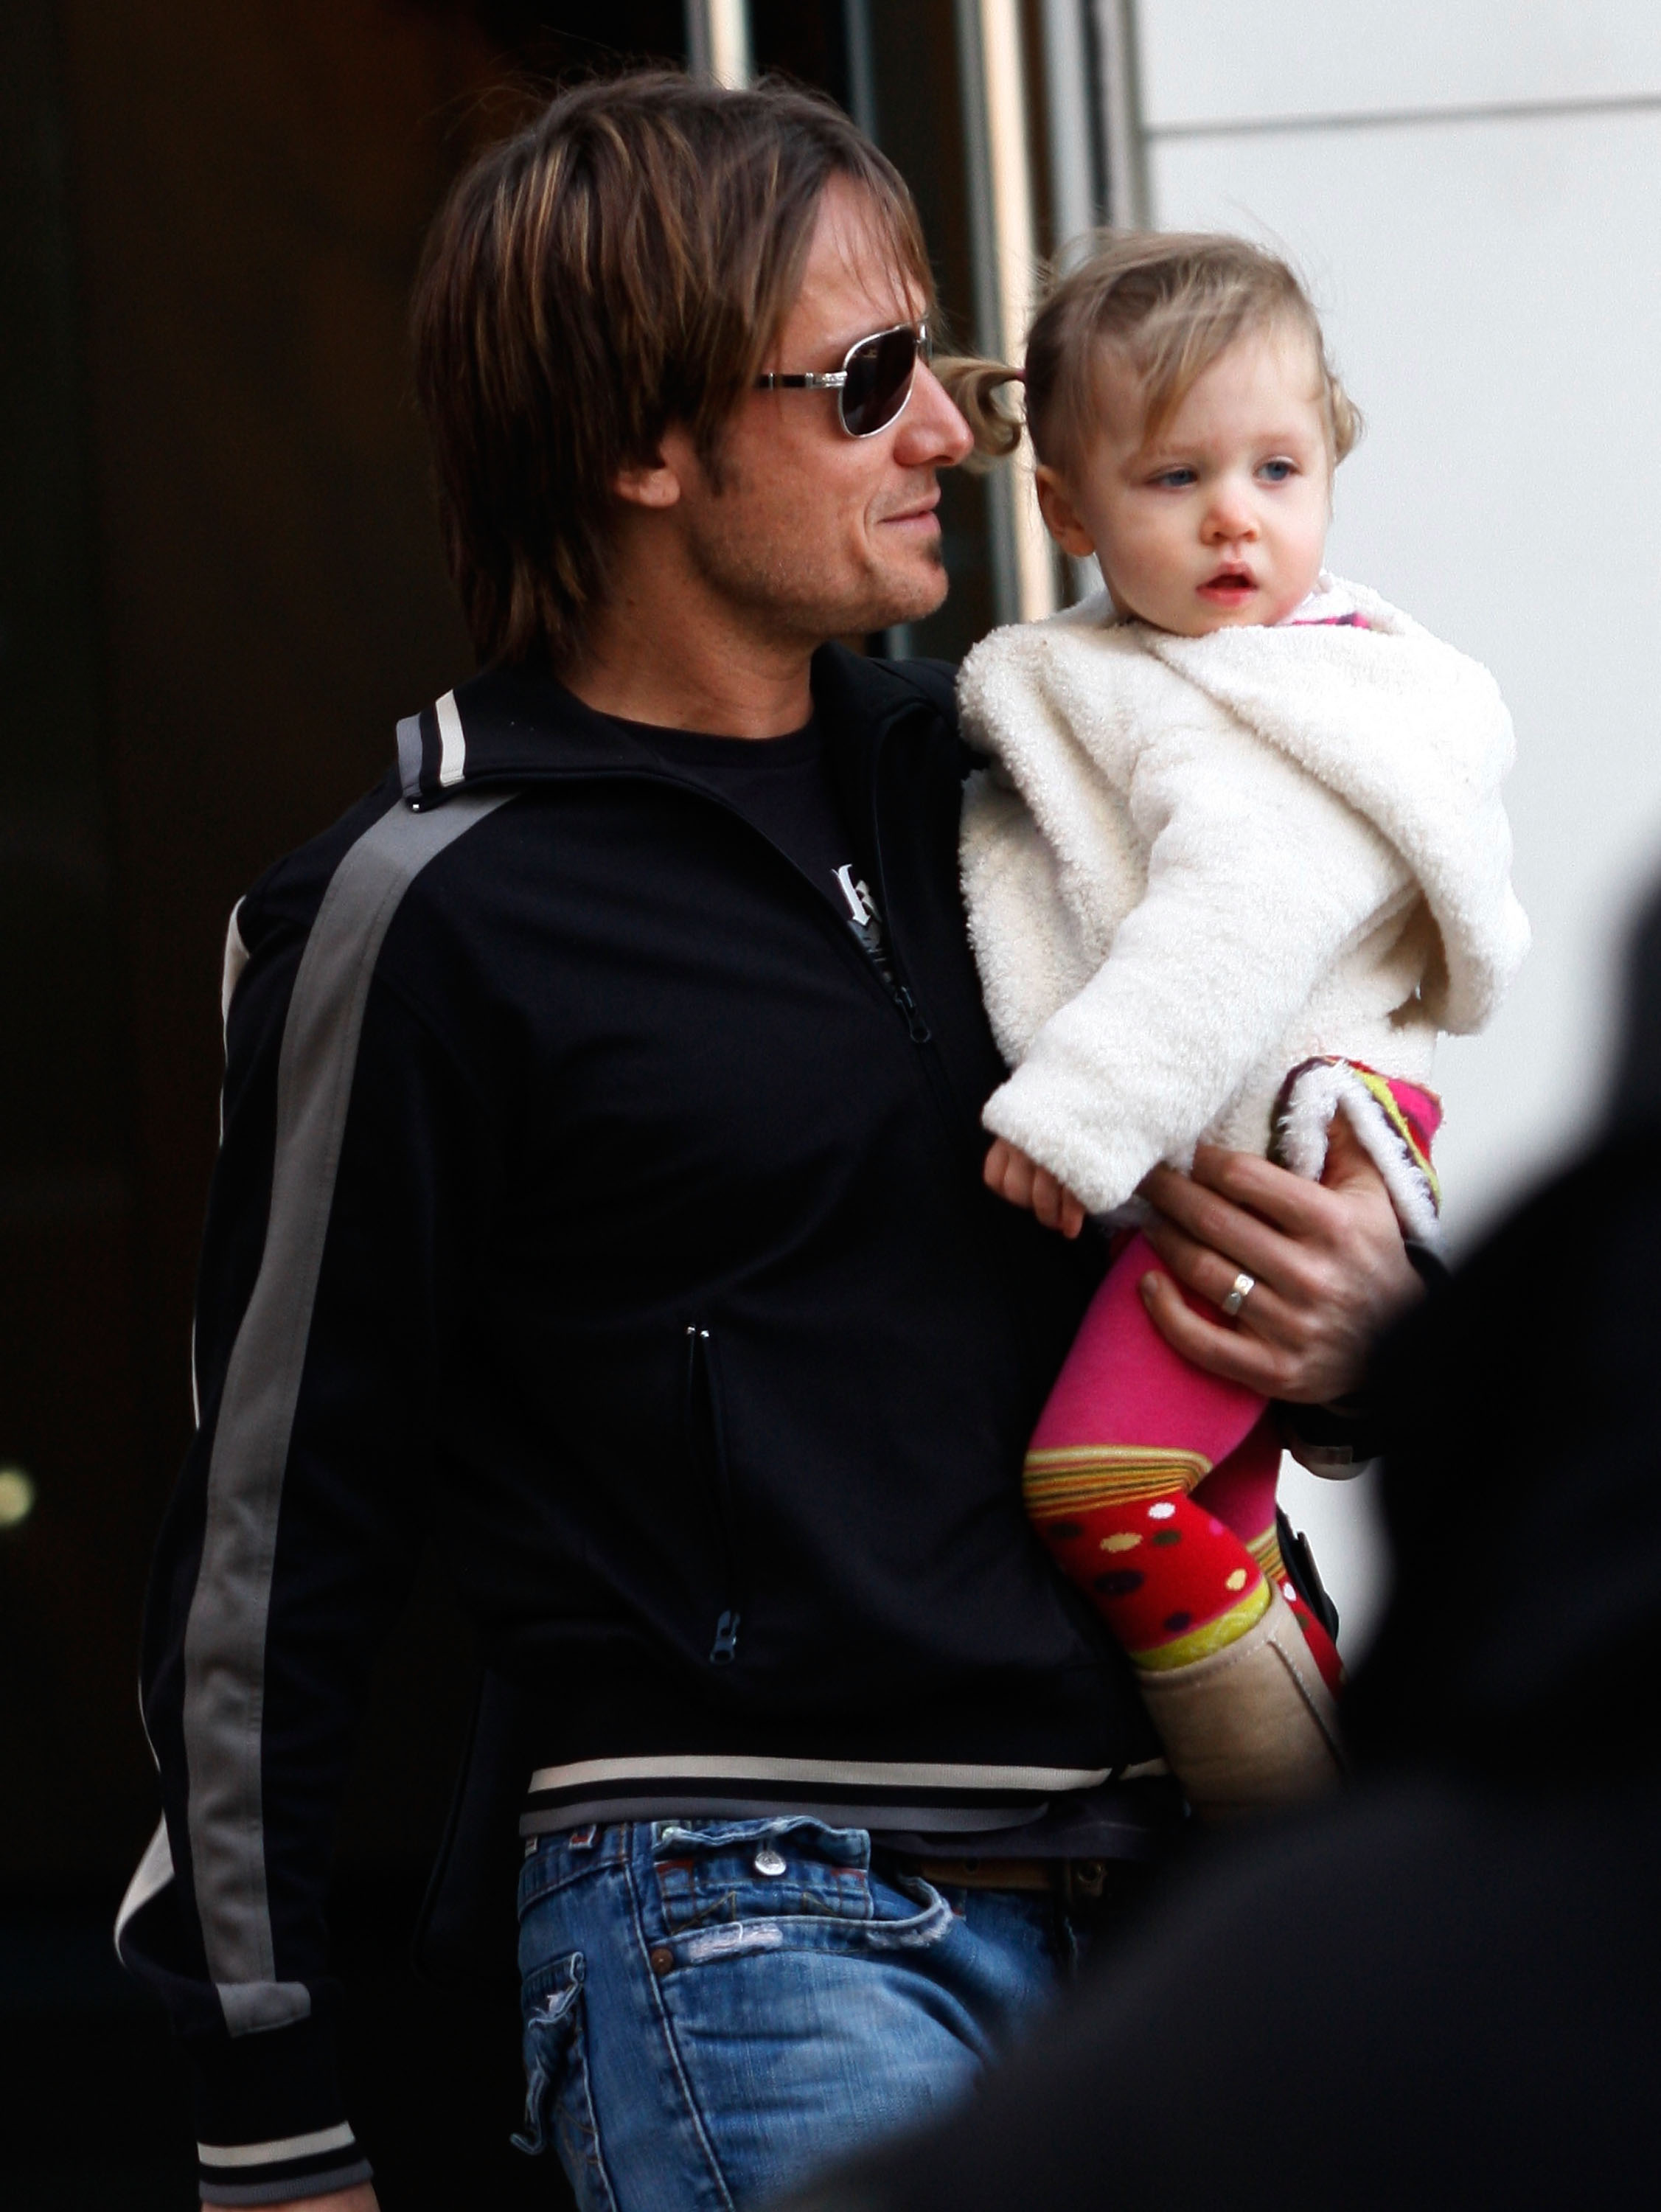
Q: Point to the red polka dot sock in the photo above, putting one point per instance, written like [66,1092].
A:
[1265,1549]
[1173,1582]
[1241,1492]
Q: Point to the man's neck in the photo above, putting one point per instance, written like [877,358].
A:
[710,674]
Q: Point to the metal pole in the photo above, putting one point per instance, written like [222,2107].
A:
[1067,97]
[1004,240]
[861,65]
[1130,205]
[1076,186]
[719,41]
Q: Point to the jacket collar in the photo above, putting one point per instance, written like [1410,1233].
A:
[521,726]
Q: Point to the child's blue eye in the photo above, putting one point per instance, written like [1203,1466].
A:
[1176,479]
[1278,471]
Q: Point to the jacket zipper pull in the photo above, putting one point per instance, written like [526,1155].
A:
[725,1648]
[916,1028]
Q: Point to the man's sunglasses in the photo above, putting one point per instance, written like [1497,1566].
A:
[874,382]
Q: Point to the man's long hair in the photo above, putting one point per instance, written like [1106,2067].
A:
[623,264]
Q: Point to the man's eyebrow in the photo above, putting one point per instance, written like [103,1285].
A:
[885,319]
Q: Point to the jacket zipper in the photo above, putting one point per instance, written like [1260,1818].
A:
[706,1444]
[939,1082]
[916,1028]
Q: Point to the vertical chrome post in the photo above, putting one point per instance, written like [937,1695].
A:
[1069,91]
[1078,186]
[1128,205]
[719,41]
[1003,237]
[862,64]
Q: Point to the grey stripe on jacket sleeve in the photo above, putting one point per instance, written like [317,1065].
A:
[225,1633]
[410,755]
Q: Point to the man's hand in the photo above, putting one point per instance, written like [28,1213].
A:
[1024,1183]
[359,2198]
[1330,1265]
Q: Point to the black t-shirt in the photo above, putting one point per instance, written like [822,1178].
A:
[784,786]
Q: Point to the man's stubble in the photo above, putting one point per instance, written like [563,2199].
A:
[794,589]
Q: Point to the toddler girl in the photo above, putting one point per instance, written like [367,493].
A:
[1240,856]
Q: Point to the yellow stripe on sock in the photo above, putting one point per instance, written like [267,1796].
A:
[1266,1551]
[1070,1479]
[1063,1456]
[1386,1099]
[1211,1635]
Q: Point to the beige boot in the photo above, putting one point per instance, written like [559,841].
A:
[1251,1726]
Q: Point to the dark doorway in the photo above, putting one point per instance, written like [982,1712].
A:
[220,586]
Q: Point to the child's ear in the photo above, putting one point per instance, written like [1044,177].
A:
[1061,517]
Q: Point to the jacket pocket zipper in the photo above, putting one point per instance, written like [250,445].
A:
[707,1446]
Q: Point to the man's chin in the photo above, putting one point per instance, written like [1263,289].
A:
[912,594]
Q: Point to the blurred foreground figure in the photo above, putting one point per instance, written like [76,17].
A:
[1445,1990]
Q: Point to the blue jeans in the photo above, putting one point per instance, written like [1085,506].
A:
[715,2009]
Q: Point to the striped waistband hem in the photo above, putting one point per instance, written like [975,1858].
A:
[933,1795]
[702,1769]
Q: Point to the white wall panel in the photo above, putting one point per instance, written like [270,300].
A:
[1493,295]
[1208,60]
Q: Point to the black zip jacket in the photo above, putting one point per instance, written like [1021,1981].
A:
[586,1186]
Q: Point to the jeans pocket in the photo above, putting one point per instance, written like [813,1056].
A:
[788,1867]
[732,1887]
[557,2091]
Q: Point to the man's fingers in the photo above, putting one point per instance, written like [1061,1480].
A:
[1290,1202]
[1232,1353]
[1347,1157]
[1212,1276]
[1206,1239]
[1329,1261]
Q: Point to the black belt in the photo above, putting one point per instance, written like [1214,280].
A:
[1075,1881]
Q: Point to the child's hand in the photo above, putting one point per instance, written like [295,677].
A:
[1024,1183]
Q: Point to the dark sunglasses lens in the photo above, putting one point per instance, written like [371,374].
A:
[879,377]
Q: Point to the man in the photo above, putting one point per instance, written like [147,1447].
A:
[602,1152]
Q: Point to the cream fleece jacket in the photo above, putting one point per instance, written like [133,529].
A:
[1198,862]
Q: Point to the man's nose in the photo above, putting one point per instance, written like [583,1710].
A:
[932,433]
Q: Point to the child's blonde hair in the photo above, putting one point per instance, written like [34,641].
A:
[1166,304]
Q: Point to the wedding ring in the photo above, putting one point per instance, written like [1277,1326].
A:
[1238,1290]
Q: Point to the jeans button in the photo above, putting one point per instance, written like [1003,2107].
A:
[661,1959]
[769,1860]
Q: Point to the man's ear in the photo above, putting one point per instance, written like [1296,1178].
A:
[656,485]
[1061,517]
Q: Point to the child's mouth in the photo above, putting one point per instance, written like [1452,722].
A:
[1228,586]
